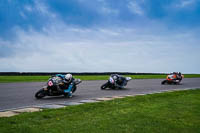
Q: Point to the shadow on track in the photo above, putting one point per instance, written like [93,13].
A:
[125,89]
[55,98]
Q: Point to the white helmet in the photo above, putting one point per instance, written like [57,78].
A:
[114,77]
[68,77]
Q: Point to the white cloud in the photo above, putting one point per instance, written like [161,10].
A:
[40,8]
[28,8]
[100,6]
[62,47]
[109,32]
[43,9]
[22,14]
[185,3]
[107,10]
[74,49]
[135,7]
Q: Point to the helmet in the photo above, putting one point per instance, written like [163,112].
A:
[68,77]
[115,76]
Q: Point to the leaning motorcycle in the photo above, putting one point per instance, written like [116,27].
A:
[171,80]
[50,89]
[111,83]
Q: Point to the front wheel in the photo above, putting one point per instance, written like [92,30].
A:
[74,89]
[104,86]
[177,83]
[40,94]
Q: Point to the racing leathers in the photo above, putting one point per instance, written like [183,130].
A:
[120,81]
[175,76]
[68,86]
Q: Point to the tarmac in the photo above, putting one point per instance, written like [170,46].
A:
[16,98]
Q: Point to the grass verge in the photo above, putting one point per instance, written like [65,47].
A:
[7,79]
[164,112]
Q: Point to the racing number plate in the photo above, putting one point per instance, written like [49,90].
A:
[50,83]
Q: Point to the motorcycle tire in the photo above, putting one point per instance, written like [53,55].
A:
[40,94]
[74,89]
[164,82]
[104,86]
[177,83]
[66,95]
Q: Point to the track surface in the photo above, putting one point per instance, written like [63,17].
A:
[15,95]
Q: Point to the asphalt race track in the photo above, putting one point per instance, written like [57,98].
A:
[16,95]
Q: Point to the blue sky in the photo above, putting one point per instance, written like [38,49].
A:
[100,35]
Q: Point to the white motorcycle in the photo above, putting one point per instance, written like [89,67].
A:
[115,84]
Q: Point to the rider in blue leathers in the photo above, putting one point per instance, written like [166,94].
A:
[69,83]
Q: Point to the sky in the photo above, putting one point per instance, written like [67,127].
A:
[158,36]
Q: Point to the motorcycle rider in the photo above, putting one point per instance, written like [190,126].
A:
[179,76]
[68,82]
[175,76]
[120,81]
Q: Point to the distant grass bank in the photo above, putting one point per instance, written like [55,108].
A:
[6,79]
[170,112]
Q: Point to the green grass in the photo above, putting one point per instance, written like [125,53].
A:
[23,78]
[170,112]
[4,79]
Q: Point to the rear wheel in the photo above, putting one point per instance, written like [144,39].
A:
[104,86]
[40,94]
[164,82]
